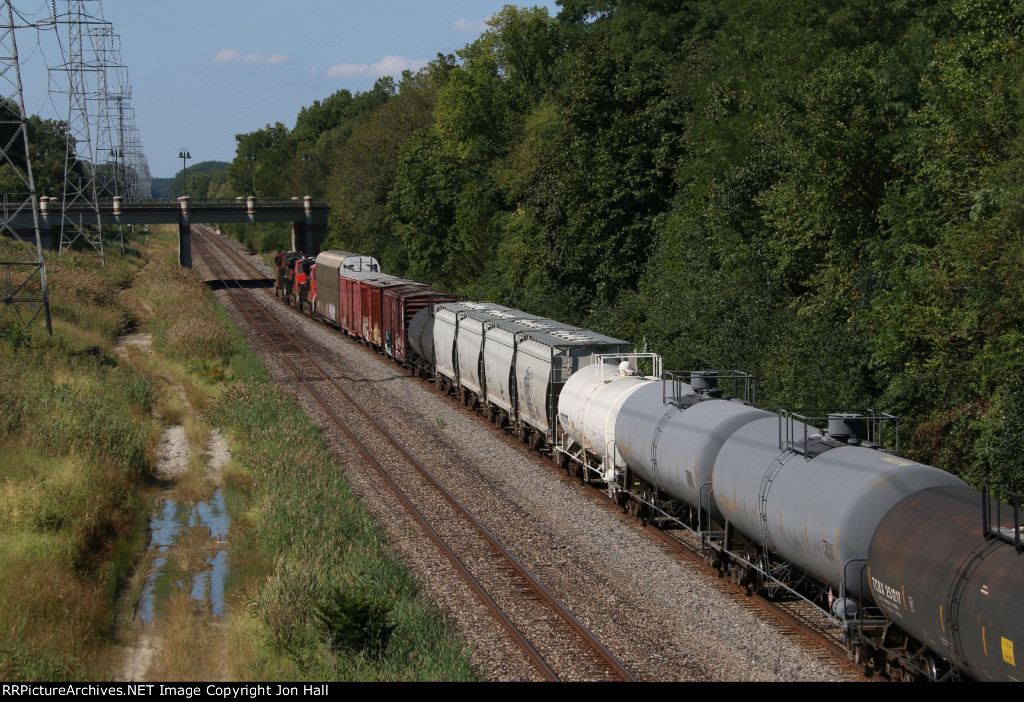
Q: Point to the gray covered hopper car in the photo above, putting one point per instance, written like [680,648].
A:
[509,363]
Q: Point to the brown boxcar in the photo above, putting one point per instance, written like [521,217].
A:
[370,310]
[400,305]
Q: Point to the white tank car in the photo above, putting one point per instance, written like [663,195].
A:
[589,405]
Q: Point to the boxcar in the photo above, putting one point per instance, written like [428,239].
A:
[333,270]
[400,305]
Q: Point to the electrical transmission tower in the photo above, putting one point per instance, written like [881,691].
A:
[103,51]
[105,157]
[136,165]
[81,190]
[23,289]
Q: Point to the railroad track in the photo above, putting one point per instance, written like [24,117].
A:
[803,619]
[555,642]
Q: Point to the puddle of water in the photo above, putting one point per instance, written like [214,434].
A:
[170,523]
[212,515]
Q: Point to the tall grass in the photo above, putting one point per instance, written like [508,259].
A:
[76,440]
[184,326]
[313,593]
[332,602]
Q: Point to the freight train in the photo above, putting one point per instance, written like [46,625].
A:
[923,575]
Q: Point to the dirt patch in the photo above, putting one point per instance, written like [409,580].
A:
[172,455]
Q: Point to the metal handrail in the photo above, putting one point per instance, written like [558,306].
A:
[601,360]
[873,419]
[233,202]
[749,394]
[992,524]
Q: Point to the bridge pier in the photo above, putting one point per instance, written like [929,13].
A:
[297,237]
[185,234]
[308,234]
[46,239]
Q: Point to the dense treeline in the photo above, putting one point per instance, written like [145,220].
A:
[827,194]
[206,180]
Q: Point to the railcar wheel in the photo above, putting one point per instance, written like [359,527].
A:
[536,441]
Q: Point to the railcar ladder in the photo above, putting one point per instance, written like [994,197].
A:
[762,495]
[665,418]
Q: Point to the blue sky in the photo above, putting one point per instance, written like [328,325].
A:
[203,71]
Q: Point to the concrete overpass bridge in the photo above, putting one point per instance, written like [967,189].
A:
[308,218]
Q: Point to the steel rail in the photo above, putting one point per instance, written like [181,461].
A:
[608,660]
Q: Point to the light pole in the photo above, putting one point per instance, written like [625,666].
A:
[184,155]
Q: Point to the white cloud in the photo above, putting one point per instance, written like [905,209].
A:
[262,62]
[465,26]
[387,66]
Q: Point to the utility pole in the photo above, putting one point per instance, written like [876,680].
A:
[23,292]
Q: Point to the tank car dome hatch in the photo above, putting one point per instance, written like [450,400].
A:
[626,368]
[845,426]
[702,381]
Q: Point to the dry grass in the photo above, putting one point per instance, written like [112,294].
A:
[193,485]
[184,328]
[192,549]
[197,395]
[192,646]
[198,434]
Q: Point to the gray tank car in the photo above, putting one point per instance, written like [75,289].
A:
[674,445]
[815,505]
[783,506]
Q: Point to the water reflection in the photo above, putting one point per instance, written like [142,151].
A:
[171,522]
